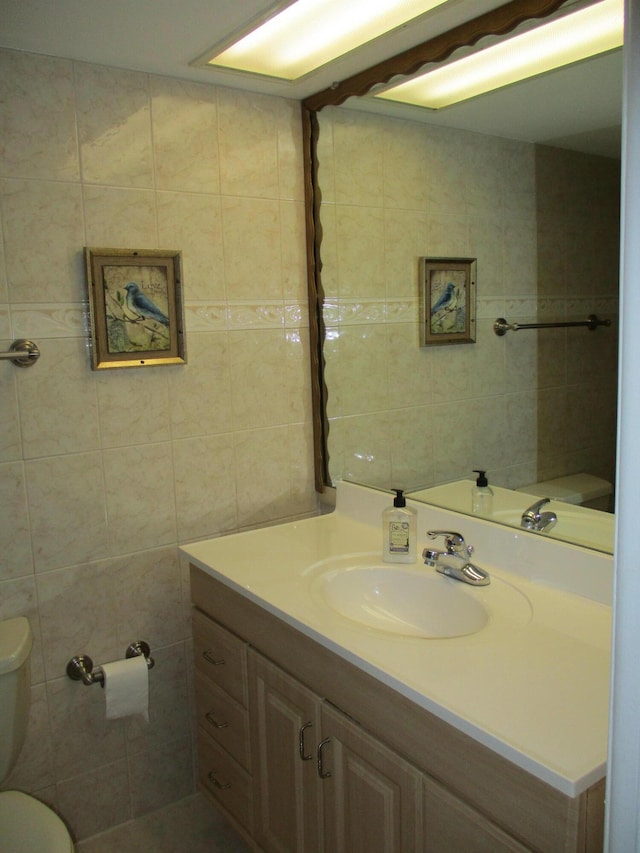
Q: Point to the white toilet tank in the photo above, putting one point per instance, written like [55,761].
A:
[16,641]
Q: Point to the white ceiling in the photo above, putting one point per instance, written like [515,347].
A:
[578,108]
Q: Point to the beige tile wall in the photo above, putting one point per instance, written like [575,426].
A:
[544,226]
[103,474]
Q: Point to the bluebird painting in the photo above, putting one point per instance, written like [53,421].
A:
[144,307]
[448,306]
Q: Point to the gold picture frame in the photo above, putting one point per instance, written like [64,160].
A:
[447,301]
[135,307]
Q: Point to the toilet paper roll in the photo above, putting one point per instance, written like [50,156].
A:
[126,685]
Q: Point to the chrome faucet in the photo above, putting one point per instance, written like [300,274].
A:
[454,561]
[533,519]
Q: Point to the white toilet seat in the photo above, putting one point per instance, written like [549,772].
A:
[28,826]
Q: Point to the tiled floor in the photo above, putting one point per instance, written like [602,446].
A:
[189,826]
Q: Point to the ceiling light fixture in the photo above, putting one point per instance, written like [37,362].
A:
[589,31]
[309,33]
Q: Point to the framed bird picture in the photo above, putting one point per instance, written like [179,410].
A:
[135,307]
[447,301]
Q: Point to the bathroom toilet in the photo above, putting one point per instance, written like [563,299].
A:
[580,489]
[26,824]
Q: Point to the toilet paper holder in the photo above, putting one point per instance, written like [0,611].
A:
[80,667]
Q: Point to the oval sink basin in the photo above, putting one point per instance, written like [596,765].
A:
[411,602]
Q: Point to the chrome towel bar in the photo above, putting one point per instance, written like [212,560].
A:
[22,353]
[501,327]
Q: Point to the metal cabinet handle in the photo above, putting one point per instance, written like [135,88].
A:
[206,654]
[321,771]
[210,718]
[301,742]
[212,778]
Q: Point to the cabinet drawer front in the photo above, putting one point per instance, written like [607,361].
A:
[225,780]
[223,719]
[220,656]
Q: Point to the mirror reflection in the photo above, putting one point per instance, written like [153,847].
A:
[530,407]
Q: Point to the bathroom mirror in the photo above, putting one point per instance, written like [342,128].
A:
[387,186]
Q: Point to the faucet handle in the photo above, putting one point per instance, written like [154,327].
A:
[454,541]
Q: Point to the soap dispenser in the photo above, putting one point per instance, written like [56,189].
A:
[399,531]
[481,495]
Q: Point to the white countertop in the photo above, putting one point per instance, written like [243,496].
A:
[534,689]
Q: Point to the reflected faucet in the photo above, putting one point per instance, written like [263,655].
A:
[533,519]
[454,561]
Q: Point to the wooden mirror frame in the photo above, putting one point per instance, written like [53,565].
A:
[498,21]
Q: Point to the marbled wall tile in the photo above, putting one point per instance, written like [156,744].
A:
[67,508]
[140,497]
[405,240]
[148,592]
[487,418]
[360,369]
[263,484]
[297,350]
[43,234]
[448,235]
[248,138]
[205,486]
[521,442]
[359,149]
[411,448]
[252,254]
[160,776]
[290,153]
[78,610]
[15,541]
[185,135]
[200,392]
[35,766]
[192,224]
[446,151]
[10,438]
[4,293]
[39,129]
[116,218]
[452,446]
[408,368]
[365,452]
[133,405]
[83,738]
[294,258]
[104,794]
[114,125]
[405,168]
[360,251]
[301,450]
[258,360]
[58,404]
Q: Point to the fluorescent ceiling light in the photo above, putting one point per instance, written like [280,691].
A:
[310,33]
[587,32]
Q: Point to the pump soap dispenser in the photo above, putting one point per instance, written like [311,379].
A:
[481,495]
[399,531]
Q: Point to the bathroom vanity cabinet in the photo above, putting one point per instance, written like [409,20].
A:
[307,752]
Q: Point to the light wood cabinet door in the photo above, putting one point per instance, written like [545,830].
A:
[450,825]
[371,797]
[285,723]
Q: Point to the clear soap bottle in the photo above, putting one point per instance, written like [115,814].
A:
[399,531]
[481,495]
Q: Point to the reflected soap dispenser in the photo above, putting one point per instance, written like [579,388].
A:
[481,496]
[399,531]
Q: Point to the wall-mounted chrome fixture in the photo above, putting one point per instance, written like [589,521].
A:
[501,327]
[22,353]
[80,667]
